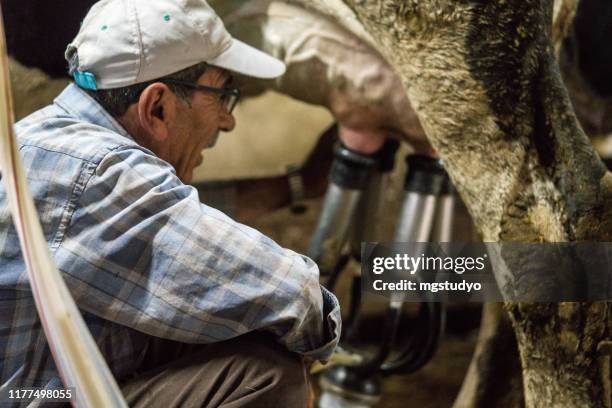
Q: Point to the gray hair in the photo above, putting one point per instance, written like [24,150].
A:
[117,101]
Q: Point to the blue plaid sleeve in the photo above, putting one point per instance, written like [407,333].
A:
[143,252]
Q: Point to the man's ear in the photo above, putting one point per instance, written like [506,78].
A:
[157,110]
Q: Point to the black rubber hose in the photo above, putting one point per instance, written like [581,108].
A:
[422,346]
[352,321]
[392,322]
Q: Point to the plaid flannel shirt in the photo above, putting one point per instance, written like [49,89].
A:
[142,257]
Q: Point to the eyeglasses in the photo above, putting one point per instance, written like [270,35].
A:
[229,96]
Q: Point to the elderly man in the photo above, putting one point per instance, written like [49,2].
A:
[188,307]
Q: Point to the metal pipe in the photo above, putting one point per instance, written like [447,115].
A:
[367,222]
[330,233]
[426,214]
[367,227]
[349,176]
[443,227]
[416,218]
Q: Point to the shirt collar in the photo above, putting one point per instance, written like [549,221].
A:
[82,106]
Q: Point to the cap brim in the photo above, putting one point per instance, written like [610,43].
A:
[246,60]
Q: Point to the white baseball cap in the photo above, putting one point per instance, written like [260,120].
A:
[126,42]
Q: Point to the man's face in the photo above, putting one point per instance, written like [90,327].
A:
[198,124]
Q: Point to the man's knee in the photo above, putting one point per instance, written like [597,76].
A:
[271,369]
[249,371]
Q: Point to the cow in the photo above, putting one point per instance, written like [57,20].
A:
[483,78]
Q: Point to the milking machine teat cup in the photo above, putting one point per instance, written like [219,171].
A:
[350,218]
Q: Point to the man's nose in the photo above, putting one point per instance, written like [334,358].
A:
[228,122]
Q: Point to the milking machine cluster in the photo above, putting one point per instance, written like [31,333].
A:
[351,215]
